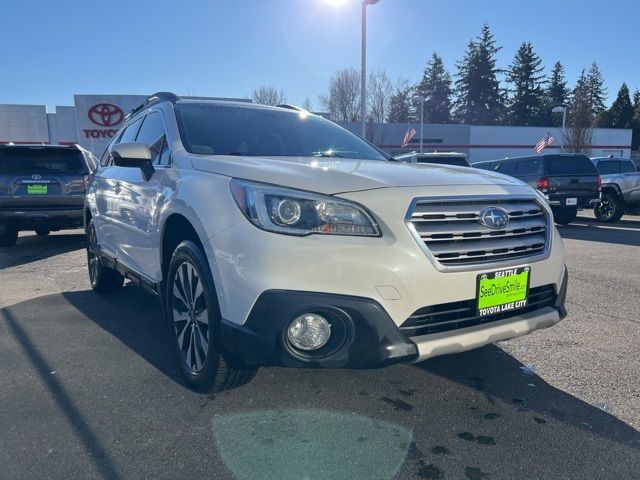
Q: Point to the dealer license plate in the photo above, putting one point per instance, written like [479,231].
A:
[572,201]
[502,291]
[37,189]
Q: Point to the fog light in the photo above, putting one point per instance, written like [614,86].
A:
[309,332]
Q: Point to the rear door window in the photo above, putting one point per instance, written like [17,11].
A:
[571,165]
[608,167]
[627,167]
[48,161]
[528,167]
[507,168]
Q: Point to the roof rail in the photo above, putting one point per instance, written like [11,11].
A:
[152,100]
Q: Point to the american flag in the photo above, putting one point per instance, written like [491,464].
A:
[408,136]
[544,143]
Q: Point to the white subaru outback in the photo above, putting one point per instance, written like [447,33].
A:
[275,237]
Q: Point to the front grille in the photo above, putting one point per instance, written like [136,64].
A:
[452,316]
[452,232]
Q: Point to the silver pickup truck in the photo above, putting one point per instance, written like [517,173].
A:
[620,188]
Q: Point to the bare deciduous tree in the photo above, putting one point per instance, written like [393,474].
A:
[267,95]
[579,134]
[306,104]
[379,92]
[343,100]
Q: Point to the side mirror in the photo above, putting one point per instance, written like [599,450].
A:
[134,155]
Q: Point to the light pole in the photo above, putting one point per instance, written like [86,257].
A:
[363,73]
[562,110]
[363,67]
[420,98]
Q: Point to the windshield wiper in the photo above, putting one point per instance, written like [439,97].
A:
[329,155]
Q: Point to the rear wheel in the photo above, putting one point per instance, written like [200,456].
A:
[42,232]
[8,235]
[609,209]
[103,279]
[194,323]
[564,216]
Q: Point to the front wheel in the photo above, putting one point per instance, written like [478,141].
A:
[194,323]
[8,235]
[609,209]
[564,216]
[103,279]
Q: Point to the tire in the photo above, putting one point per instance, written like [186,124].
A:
[609,209]
[193,317]
[564,216]
[9,237]
[42,232]
[103,279]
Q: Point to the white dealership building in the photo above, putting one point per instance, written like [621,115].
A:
[94,119]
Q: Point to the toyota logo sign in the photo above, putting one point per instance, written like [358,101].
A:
[106,114]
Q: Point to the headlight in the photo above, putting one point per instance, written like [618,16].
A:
[294,212]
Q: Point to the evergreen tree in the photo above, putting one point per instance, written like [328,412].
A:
[436,89]
[579,133]
[527,103]
[597,90]
[400,104]
[557,94]
[621,112]
[635,122]
[479,98]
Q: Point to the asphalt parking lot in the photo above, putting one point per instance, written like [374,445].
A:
[89,388]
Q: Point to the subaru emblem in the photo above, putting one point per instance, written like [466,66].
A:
[494,217]
[35,176]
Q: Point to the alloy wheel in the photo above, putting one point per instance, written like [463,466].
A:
[190,316]
[605,209]
[92,255]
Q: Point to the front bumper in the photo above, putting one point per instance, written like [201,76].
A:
[363,334]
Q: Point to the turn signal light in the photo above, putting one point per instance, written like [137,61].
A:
[543,183]
[599,184]
[85,181]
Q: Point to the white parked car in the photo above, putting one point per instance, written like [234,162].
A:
[275,237]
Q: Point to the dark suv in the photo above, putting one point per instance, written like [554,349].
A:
[569,181]
[42,188]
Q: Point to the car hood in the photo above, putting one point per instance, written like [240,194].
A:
[333,176]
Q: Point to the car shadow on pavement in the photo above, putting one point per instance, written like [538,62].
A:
[134,317]
[31,248]
[496,375]
[472,415]
[492,372]
[624,232]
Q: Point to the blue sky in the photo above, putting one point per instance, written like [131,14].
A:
[53,49]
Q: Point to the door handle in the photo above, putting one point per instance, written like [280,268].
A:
[117,188]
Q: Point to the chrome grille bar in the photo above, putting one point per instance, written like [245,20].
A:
[452,235]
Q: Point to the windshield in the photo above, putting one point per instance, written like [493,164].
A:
[214,129]
[571,165]
[31,160]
